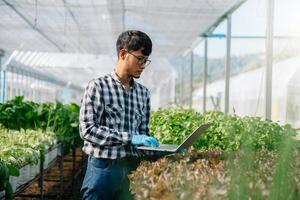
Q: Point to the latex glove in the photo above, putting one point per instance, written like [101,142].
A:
[144,140]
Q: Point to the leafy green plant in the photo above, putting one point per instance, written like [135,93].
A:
[28,129]
[62,119]
[17,114]
[284,184]
[172,125]
[4,175]
[242,172]
[178,176]
[218,175]
[19,147]
[5,172]
[256,159]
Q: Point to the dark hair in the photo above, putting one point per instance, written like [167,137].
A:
[133,40]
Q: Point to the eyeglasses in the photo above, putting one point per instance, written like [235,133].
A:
[141,60]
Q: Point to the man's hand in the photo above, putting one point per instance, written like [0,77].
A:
[144,140]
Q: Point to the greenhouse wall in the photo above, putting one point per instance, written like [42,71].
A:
[247,93]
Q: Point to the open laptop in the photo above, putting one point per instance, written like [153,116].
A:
[184,145]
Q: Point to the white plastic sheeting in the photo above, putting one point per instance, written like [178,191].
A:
[159,77]
[77,69]
[247,93]
[293,99]
[74,41]
[90,26]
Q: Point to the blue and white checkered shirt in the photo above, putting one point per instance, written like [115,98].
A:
[109,115]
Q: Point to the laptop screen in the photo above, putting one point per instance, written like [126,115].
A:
[193,136]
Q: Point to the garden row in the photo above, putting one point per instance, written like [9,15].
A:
[236,158]
[31,135]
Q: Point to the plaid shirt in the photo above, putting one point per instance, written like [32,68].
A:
[109,115]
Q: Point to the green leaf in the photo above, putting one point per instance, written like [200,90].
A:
[13,170]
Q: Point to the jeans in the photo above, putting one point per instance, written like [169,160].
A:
[107,179]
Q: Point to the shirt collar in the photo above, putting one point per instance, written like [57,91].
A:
[115,76]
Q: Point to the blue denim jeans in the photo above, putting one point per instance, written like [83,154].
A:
[107,179]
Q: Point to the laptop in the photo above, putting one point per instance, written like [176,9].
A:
[184,145]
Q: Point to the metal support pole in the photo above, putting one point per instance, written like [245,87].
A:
[2,53]
[227,66]
[3,83]
[19,83]
[34,81]
[27,86]
[11,87]
[191,78]
[205,75]
[61,169]
[175,92]
[73,168]
[2,76]
[269,58]
[16,83]
[182,84]
[0,71]
[22,84]
[31,86]
[41,179]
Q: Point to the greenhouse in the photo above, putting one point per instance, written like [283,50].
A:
[149,99]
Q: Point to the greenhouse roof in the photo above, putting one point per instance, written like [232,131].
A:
[74,41]
[90,26]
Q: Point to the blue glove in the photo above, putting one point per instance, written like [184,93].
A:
[144,140]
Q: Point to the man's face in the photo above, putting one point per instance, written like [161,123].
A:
[135,63]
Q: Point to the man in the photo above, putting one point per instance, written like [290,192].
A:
[114,119]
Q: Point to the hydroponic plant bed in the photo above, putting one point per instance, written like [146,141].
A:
[73,171]
[236,158]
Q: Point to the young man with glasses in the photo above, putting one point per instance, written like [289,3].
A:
[114,119]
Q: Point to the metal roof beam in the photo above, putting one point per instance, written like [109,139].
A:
[32,25]
[223,17]
[76,22]
[221,36]
[21,68]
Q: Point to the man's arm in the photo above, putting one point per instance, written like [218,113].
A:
[144,127]
[90,114]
